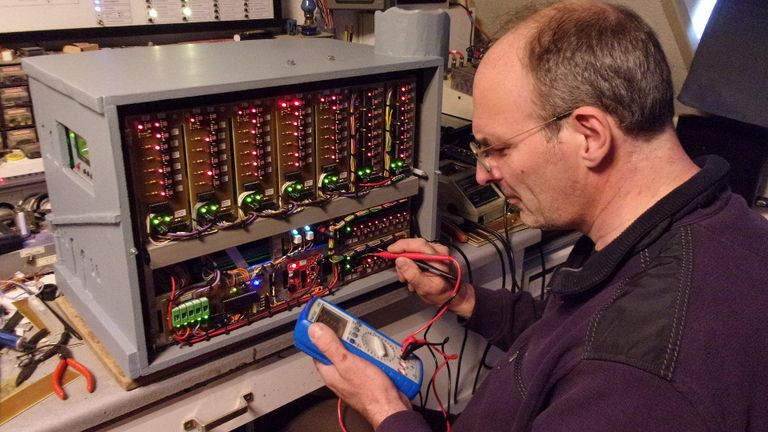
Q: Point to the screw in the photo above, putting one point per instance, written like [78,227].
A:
[189,424]
[331,58]
[133,251]
[291,62]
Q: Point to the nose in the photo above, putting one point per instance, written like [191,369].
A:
[482,175]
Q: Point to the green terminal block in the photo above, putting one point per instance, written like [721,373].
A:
[190,312]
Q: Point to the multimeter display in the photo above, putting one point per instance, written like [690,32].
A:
[332,320]
[360,339]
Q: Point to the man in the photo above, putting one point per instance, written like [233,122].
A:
[656,322]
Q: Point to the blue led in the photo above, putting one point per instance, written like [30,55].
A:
[295,232]
[256,282]
[307,228]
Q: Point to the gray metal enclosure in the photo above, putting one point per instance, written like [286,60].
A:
[102,266]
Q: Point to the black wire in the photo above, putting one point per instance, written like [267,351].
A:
[513,269]
[507,248]
[466,330]
[480,366]
[458,366]
[486,237]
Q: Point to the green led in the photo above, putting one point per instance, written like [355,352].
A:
[367,170]
[335,178]
[155,221]
[234,290]
[248,199]
[349,229]
[203,209]
[326,180]
[259,196]
[393,165]
[400,163]
[290,188]
[167,218]
[348,267]
[298,187]
[360,173]
[214,206]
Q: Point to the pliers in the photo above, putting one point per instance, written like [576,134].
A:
[66,360]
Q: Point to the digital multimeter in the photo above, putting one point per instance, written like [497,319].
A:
[362,340]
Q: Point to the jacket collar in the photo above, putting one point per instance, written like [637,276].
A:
[586,268]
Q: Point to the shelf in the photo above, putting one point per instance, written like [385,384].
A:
[182,250]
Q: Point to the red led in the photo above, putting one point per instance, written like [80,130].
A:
[253,121]
[297,103]
[333,157]
[240,112]
[333,97]
[334,107]
[370,154]
[157,147]
[255,164]
[296,113]
[295,134]
[296,154]
[254,153]
[140,127]
[370,94]
[292,266]
[210,173]
[253,110]
[322,99]
[298,164]
[207,139]
[402,88]
[162,193]
[157,124]
[160,170]
[295,123]
[283,104]
[191,119]
[253,131]
[158,135]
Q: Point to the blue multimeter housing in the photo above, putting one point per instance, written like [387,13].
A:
[362,340]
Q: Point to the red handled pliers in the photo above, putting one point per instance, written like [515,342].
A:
[66,360]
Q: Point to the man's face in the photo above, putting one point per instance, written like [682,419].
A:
[535,175]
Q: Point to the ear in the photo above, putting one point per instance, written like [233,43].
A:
[597,129]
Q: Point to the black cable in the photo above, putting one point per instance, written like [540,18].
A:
[507,249]
[486,237]
[480,366]
[513,269]
[466,330]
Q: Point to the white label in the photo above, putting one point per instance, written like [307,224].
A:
[226,203]
[343,175]
[269,191]
[175,155]
[25,253]
[309,183]
[44,261]
[180,213]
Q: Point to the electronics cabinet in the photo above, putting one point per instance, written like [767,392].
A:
[204,192]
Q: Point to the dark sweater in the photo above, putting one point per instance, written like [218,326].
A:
[663,330]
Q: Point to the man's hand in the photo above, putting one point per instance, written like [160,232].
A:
[357,381]
[432,288]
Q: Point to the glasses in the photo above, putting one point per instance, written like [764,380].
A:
[481,154]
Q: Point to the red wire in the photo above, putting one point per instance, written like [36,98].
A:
[341,420]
